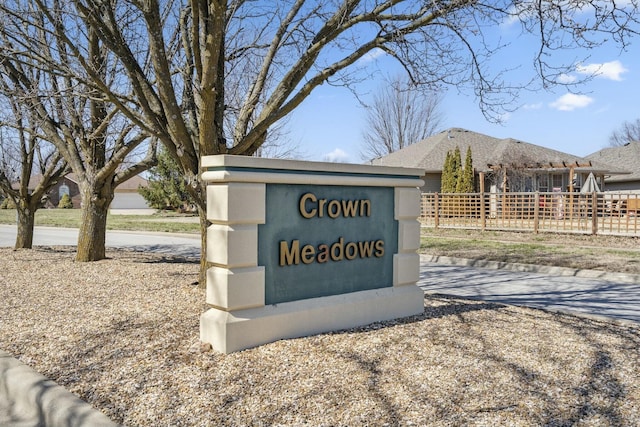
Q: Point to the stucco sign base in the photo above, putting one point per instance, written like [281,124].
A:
[299,248]
[241,329]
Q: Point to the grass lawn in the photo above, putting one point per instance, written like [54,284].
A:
[70,218]
[608,253]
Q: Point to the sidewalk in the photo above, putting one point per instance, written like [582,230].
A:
[28,399]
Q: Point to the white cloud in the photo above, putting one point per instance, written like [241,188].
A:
[337,156]
[571,101]
[536,106]
[607,70]
[566,79]
[504,117]
[521,11]
[372,55]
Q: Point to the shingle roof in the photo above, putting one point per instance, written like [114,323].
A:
[486,151]
[131,184]
[625,157]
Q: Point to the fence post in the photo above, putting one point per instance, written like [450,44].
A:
[483,214]
[436,207]
[594,213]
[536,212]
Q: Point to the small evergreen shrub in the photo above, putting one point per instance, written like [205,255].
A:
[167,189]
[65,202]
[7,203]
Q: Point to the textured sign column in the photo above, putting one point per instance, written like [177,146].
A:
[298,248]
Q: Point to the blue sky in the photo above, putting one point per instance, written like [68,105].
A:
[328,125]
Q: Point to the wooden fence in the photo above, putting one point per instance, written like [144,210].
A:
[594,213]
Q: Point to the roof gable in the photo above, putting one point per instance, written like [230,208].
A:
[625,157]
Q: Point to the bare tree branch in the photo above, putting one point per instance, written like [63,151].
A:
[628,132]
[400,115]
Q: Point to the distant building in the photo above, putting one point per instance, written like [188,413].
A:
[500,165]
[66,185]
[626,157]
[126,200]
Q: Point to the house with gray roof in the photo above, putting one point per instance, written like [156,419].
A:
[126,201]
[500,164]
[626,157]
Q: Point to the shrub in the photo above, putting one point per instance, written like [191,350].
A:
[167,187]
[65,202]
[7,203]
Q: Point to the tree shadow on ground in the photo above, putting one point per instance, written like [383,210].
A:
[27,398]
[171,254]
[602,393]
[544,291]
[598,395]
[449,327]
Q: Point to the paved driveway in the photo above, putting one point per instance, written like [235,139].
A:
[593,296]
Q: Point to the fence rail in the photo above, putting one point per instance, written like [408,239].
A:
[594,213]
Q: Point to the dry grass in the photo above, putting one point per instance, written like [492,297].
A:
[123,334]
[71,218]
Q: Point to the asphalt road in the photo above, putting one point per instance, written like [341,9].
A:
[603,296]
[168,243]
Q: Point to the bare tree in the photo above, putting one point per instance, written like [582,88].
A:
[87,130]
[401,114]
[628,132]
[280,148]
[22,154]
[175,56]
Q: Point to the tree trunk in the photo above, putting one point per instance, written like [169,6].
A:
[204,224]
[26,221]
[93,227]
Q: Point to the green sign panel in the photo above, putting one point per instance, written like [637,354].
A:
[326,240]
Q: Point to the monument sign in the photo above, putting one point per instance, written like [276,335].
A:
[297,248]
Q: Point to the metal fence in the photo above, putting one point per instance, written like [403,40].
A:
[594,213]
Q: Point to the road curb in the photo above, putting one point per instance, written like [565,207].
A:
[533,268]
[29,399]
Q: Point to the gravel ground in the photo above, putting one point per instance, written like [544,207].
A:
[122,334]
